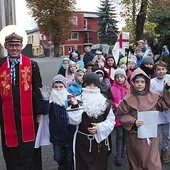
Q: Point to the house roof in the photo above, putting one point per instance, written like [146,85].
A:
[32,31]
[88,14]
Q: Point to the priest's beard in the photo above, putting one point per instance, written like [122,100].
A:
[59,97]
[94,102]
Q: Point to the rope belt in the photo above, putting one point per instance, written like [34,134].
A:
[90,137]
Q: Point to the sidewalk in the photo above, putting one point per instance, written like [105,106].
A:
[50,164]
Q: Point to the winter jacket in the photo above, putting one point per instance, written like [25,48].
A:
[75,88]
[139,61]
[60,131]
[118,92]
[62,71]
[87,57]
[58,124]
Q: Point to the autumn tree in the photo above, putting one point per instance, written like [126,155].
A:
[107,26]
[52,16]
[162,19]
[136,12]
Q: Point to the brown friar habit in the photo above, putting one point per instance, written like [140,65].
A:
[96,159]
[18,149]
[141,156]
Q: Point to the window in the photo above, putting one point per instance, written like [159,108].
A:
[73,20]
[86,38]
[74,36]
[37,50]
[85,24]
[32,39]
[70,49]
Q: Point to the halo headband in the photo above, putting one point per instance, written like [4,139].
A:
[6,31]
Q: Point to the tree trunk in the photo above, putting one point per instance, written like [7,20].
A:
[56,49]
[140,20]
[133,12]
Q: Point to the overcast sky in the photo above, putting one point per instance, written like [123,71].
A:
[25,20]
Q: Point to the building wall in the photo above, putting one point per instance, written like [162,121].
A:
[80,22]
[87,34]
[34,39]
[92,23]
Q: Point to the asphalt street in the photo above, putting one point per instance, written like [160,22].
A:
[49,67]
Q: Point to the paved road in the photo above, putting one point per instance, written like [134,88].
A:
[49,68]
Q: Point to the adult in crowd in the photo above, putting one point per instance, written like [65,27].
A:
[156,49]
[74,53]
[88,56]
[20,104]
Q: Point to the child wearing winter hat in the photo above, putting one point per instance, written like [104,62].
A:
[119,90]
[61,133]
[64,66]
[99,60]
[131,64]
[70,72]
[76,86]
[95,121]
[104,82]
[147,66]
[89,66]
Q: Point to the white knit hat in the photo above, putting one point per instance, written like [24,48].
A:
[98,52]
[59,78]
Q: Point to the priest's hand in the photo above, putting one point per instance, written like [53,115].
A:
[92,129]
[168,83]
[38,118]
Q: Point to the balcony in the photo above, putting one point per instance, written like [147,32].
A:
[87,27]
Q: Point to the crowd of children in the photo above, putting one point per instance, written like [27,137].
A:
[86,103]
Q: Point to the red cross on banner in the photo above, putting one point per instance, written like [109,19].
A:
[123,40]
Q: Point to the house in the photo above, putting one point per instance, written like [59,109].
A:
[34,39]
[83,33]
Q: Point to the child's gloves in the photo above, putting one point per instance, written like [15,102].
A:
[168,83]
[45,92]
[167,86]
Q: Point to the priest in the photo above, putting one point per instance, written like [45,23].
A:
[20,104]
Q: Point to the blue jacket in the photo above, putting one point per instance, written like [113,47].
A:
[139,61]
[75,88]
[81,63]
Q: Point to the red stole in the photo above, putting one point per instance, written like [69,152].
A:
[27,122]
